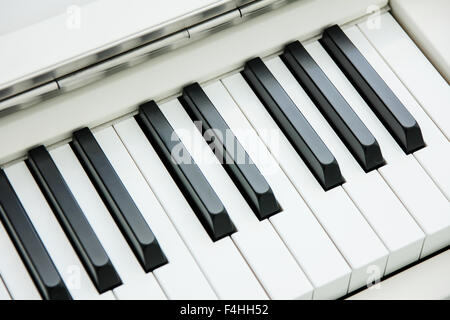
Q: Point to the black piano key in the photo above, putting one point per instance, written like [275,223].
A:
[230,152]
[197,190]
[305,140]
[333,106]
[72,220]
[116,197]
[29,245]
[391,112]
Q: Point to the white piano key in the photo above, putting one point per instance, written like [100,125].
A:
[13,272]
[436,156]
[381,207]
[412,68]
[345,225]
[140,288]
[180,278]
[136,284]
[271,261]
[296,225]
[261,246]
[220,261]
[4,294]
[58,246]
[435,160]
[424,201]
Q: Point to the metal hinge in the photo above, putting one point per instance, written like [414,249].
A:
[244,10]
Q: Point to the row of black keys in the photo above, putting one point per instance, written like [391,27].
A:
[188,176]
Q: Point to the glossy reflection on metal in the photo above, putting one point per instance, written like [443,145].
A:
[81,71]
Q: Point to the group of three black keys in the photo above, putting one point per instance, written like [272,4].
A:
[188,176]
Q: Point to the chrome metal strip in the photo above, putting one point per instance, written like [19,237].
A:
[129,52]
[136,40]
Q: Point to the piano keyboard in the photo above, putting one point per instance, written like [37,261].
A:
[306,175]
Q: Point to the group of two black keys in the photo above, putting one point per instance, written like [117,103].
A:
[198,192]
[73,221]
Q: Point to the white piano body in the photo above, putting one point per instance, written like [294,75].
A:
[93,65]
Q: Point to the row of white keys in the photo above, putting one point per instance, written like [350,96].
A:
[296,225]
[258,242]
[412,68]
[13,272]
[180,278]
[371,194]
[345,225]
[403,173]
[436,156]
[55,241]
[220,261]
[136,284]
[4,294]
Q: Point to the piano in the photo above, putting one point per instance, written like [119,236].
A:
[225,149]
